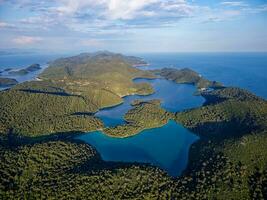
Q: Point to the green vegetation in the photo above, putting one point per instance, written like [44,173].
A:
[229,93]
[228,112]
[135,61]
[33,67]
[31,110]
[72,90]
[144,115]
[230,160]
[71,170]
[102,78]
[187,76]
[6,82]
[228,169]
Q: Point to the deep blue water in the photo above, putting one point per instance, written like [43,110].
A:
[245,70]
[166,147]
[174,97]
[18,61]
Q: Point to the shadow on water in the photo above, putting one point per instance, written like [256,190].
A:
[83,114]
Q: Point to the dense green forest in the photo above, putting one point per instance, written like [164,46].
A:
[33,112]
[187,76]
[228,112]
[96,74]
[229,169]
[40,159]
[144,115]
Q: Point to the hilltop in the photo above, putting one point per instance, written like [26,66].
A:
[71,90]
[187,76]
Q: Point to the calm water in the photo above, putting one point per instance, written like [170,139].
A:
[16,62]
[174,97]
[245,70]
[166,147]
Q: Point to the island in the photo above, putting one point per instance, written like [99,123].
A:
[7,82]
[144,115]
[20,72]
[7,69]
[40,159]
[79,84]
[31,68]
[187,76]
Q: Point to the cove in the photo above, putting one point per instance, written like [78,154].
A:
[175,97]
[165,147]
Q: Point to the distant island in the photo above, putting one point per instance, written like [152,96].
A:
[41,159]
[7,82]
[31,68]
[188,76]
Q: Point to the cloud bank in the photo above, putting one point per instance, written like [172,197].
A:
[96,22]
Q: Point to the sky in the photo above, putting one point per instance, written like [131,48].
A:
[134,25]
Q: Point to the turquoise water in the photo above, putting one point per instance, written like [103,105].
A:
[166,147]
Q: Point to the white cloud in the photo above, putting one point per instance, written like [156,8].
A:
[5,25]
[24,40]
[121,9]
[234,3]
[87,15]
[99,16]
[70,7]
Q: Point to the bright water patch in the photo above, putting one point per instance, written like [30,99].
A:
[166,147]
